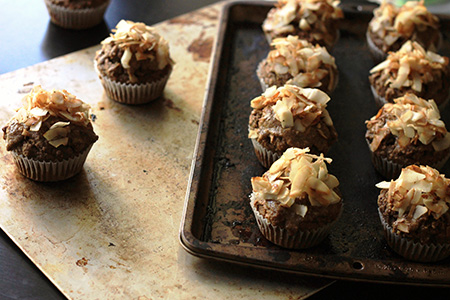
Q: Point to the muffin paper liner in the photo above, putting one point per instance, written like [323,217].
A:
[392,170]
[264,86]
[300,240]
[76,18]
[413,250]
[265,157]
[377,54]
[46,171]
[133,94]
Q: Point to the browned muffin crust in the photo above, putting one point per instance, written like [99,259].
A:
[32,144]
[425,229]
[108,63]
[79,4]
[318,136]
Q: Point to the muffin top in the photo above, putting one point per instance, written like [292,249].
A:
[313,16]
[410,119]
[79,4]
[294,175]
[293,107]
[136,48]
[392,24]
[418,194]
[50,125]
[411,67]
[305,63]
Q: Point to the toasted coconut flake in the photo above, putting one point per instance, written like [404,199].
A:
[295,174]
[415,118]
[418,191]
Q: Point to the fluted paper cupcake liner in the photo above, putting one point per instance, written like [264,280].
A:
[391,170]
[263,84]
[76,18]
[50,171]
[133,94]
[377,54]
[299,240]
[413,250]
[265,157]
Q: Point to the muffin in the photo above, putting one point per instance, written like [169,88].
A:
[290,116]
[311,20]
[298,62]
[408,131]
[391,27]
[50,136]
[76,14]
[415,216]
[134,63]
[411,70]
[296,202]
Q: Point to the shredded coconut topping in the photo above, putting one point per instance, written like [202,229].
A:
[296,174]
[293,106]
[140,40]
[390,22]
[312,15]
[307,64]
[419,191]
[411,66]
[40,104]
[413,119]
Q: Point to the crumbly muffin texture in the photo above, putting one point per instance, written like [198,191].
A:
[135,53]
[298,62]
[416,205]
[290,116]
[297,191]
[79,4]
[392,26]
[415,70]
[409,131]
[313,20]
[52,125]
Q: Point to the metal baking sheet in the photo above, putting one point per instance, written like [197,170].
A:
[218,222]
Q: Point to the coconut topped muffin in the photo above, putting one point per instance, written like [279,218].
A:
[391,27]
[298,62]
[296,201]
[313,20]
[135,53]
[411,120]
[290,116]
[414,205]
[55,118]
[412,69]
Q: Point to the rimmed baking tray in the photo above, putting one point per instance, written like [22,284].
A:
[217,220]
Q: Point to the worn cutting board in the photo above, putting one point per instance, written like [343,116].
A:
[111,232]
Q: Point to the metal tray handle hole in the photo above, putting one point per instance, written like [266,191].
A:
[357,265]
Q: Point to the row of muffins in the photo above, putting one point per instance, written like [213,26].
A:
[281,207]
[51,135]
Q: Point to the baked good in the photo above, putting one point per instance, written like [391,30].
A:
[76,14]
[50,136]
[296,202]
[134,63]
[408,131]
[392,26]
[298,62]
[414,212]
[311,20]
[290,116]
[411,70]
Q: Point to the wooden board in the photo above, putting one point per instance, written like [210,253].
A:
[111,232]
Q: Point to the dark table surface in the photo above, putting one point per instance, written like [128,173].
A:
[27,37]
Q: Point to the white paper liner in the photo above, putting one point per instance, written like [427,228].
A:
[265,157]
[377,54]
[46,171]
[133,94]
[300,240]
[392,170]
[76,18]
[413,250]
